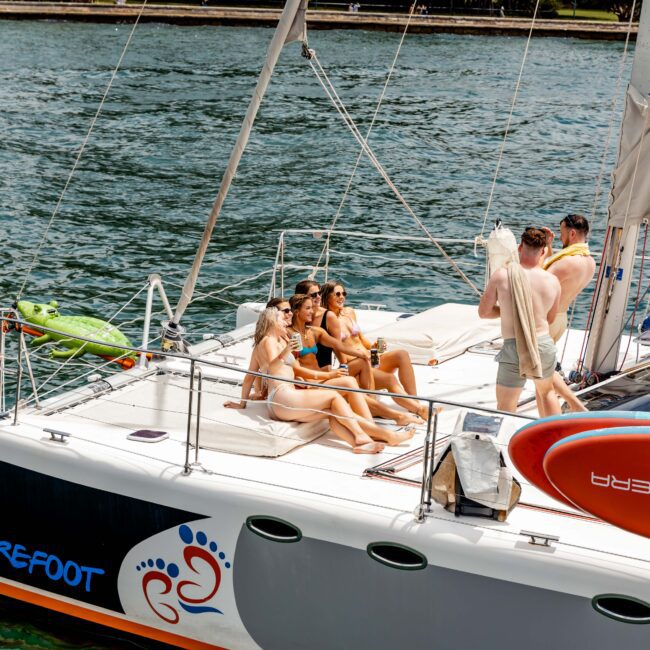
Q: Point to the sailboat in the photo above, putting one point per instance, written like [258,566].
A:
[139,503]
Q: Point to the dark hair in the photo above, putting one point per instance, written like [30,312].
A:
[577,222]
[274,302]
[305,285]
[534,238]
[326,290]
[297,301]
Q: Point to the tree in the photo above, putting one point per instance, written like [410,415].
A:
[623,9]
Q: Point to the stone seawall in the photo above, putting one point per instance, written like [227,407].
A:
[390,22]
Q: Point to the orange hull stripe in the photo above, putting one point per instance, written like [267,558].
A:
[104,619]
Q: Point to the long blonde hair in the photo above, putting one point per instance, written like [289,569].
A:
[266,321]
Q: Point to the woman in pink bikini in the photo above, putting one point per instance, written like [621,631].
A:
[312,337]
[341,322]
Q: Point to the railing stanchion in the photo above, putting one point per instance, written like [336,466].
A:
[19,377]
[427,455]
[2,365]
[198,415]
[189,419]
[432,459]
[28,363]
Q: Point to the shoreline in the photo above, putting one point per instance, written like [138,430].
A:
[389,22]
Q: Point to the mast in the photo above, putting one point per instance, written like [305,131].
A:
[291,27]
[629,208]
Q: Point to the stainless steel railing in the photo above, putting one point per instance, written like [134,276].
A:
[195,374]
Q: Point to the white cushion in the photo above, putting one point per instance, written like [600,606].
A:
[438,333]
[252,432]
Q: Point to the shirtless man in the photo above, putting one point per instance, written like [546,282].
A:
[545,290]
[574,267]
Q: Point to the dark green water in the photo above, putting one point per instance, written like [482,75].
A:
[145,185]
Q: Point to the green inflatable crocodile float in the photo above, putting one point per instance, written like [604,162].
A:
[47,315]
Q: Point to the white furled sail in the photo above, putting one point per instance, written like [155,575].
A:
[291,27]
[629,208]
[630,195]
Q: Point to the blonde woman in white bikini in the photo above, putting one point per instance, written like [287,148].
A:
[341,322]
[272,353]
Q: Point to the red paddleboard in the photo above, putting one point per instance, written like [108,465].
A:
[529,445]
[606,473]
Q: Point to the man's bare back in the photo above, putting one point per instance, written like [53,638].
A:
[545,293]
[574,274]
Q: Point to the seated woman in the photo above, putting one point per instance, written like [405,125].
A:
[341,323]
[272,355]
[303,309]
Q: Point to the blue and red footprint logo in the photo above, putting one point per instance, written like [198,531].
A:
[167,591]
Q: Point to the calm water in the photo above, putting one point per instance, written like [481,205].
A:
[146,182]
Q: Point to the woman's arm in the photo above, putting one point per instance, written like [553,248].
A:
[303,372]
[334,328]
[246,386]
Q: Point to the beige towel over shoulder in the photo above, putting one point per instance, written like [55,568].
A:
[523,320]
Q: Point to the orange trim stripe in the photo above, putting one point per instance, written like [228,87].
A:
[104,619]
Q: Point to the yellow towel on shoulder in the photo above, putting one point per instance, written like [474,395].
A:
[580,249]
[523,320]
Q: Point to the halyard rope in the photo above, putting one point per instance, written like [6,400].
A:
[509,121]
[372,124]
[331,93]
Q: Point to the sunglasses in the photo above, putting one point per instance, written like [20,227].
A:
[338,294]
[314,294]
[286,310]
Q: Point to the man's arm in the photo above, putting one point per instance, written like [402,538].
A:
[488,307]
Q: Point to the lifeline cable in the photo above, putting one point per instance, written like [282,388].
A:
[330,91]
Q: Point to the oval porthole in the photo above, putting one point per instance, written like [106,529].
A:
[625,609]
[273,529]
[397,556]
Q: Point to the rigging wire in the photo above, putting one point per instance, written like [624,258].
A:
[331,93]
[638,296]
[509,120]
[81,151]
[360,155]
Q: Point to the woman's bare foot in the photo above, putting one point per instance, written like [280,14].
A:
[423,411]
[408,418]
[369,448]
[398,437]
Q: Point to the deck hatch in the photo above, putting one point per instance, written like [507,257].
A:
[625,609]
[273,529]
[397,556]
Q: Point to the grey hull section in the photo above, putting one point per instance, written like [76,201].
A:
[324,596]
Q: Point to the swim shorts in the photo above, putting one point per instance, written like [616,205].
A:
[508,373]
[558,326]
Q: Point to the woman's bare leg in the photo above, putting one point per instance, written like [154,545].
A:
[309,405]
[399,360]
[389,382]
[359,405]
[380,410]
[361,370]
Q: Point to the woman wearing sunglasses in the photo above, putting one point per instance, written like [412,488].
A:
[341,322]
[312,337]
[272,354]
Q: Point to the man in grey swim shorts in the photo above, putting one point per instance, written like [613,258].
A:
[497,302]
[508,373]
